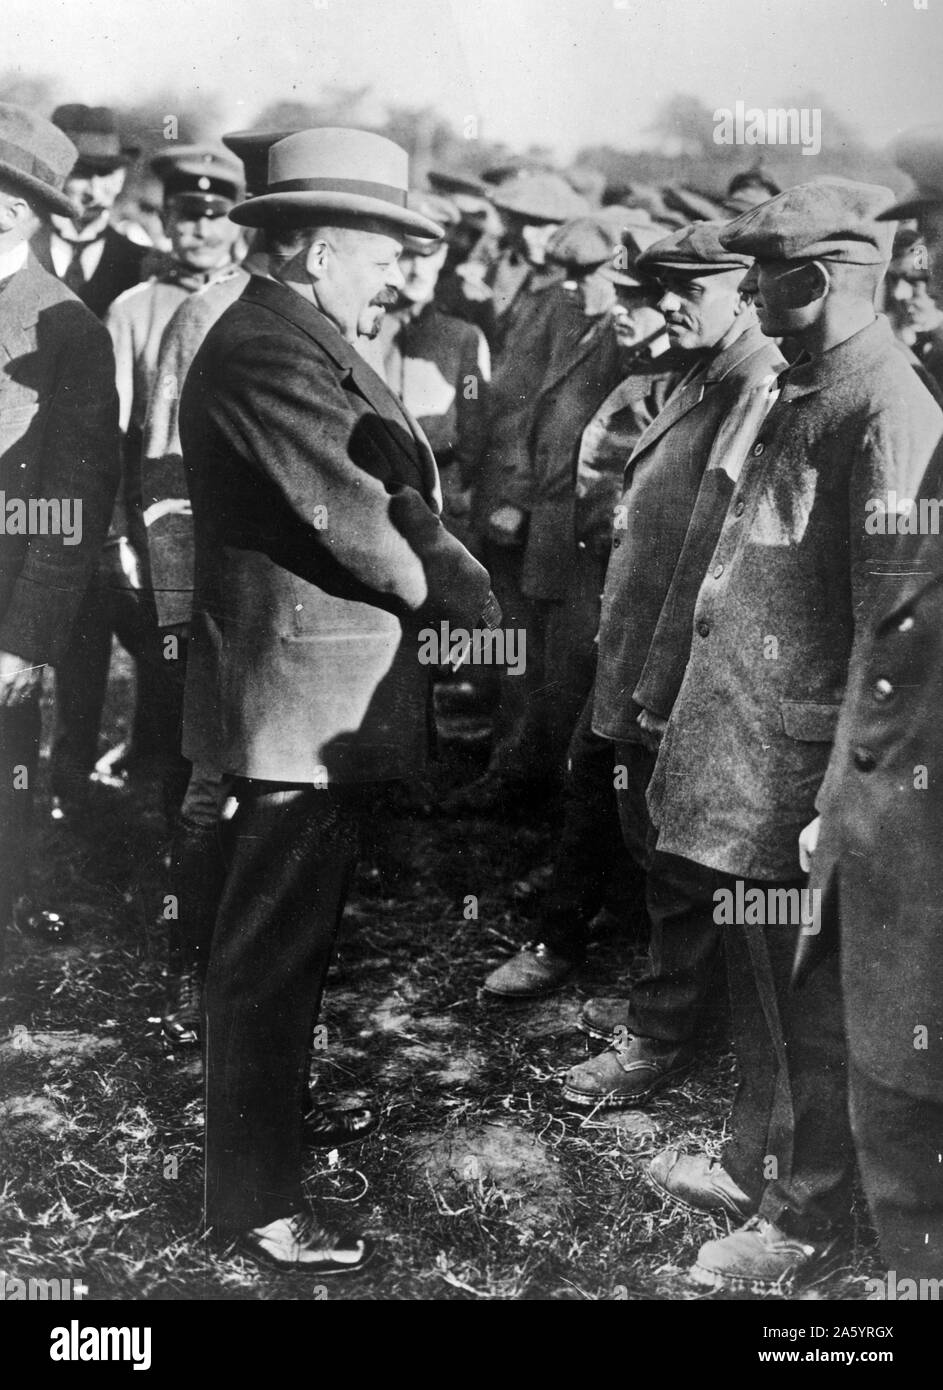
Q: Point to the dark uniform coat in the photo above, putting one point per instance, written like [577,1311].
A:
[794,581]
[58,439]
[319,554]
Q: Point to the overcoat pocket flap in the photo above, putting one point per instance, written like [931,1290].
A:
[808,722]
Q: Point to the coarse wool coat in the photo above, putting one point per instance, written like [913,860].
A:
[58,440]
[585,364]
[877,864]
[794,582]
[670,509]
[320,554]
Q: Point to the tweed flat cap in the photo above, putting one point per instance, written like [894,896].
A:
[540,198]
[696,250]
[830,220]
[920,154]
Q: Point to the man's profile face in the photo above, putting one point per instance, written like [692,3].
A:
[699,309]
[201,235]
[592,292]
[634,317]
[356,277]
[93,193]
[786,294]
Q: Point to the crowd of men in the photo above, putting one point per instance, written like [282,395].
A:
[647,436]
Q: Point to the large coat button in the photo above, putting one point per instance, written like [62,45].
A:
[882,689]
[864,759]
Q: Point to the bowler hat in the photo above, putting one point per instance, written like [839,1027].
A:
[36,157]
[695,250]
[831,219]
[337,170]
[252,147]
[920,154]
[94,132]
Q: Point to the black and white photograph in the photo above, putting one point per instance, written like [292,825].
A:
[471,662]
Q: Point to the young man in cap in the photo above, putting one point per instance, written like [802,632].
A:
[58,456]
[677,483]
[875,855]
[320,557]
[790,590]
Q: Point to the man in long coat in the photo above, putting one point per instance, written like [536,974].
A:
[792,585]
[58,458]
[320,557]
[877,862]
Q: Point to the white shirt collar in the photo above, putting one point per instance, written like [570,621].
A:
[13,260]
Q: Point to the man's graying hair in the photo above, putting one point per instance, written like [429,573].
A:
[288,238]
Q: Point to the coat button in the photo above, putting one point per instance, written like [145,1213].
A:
[718,571]
[616,543]
[758,449]
[864,760]
[703,627]
[882,689]
[739,509]
[905,624]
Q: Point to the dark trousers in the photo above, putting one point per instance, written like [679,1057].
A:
[592,865]
[82,681]
[898,1139]
[685,950]
[197,868]
[19,761]
[291,854]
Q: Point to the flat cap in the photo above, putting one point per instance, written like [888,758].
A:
[693,206]
[441,181]
[436,208]
[920,154]
[540,198]
[831,219]
[697,250]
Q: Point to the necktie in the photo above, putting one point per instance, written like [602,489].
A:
[74,276]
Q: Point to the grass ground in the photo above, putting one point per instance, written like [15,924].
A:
[481,1183]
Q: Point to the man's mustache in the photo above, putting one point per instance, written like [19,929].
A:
[385,299]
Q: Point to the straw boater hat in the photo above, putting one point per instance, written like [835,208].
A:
[36,157]
[336,170]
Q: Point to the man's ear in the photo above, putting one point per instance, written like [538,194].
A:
[819,281]
[315,258]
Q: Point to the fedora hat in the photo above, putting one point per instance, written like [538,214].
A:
[36,157]
[93,131]
[337,170]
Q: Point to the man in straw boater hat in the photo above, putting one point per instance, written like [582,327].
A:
[320,556]
[58,466]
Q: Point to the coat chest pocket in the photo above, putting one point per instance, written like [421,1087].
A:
[807,722]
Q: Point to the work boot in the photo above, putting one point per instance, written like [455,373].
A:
[700,1182]
[534,971]
[627,1073]
[759,1259]
[606,1019]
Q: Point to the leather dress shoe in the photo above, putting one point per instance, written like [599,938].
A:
[180,1020]
[534,971]
[627,1073]
[303,1244]
[604,1018]
[761,1259]
[699,1182]
[327,1126]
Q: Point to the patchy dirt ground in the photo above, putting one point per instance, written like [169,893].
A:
[481,1182]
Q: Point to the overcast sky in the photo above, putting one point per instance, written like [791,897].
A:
[563,73]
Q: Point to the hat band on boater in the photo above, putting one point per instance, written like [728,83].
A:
[364,188]
[27,163]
